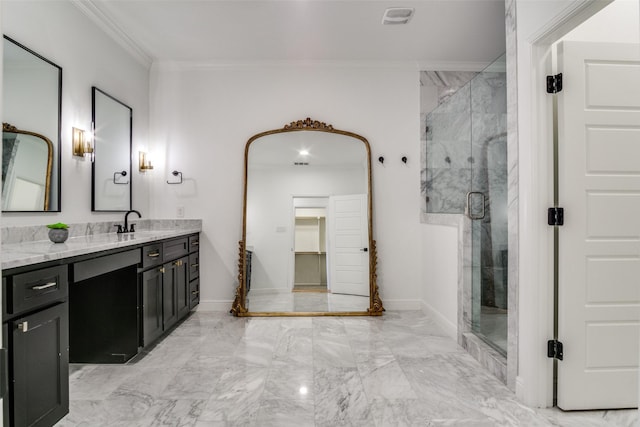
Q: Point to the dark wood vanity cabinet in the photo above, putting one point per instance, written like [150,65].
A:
[35,327]
[94,308]
[167,287]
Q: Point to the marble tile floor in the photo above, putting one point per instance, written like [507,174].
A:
[394,370]
[305,302]
[493,325]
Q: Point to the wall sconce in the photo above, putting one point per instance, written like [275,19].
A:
[81,142]
[144,164]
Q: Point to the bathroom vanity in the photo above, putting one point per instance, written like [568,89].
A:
[94,299]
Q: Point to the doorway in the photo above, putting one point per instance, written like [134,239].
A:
[597,117]
[310,258]
[310,250]
[580,219]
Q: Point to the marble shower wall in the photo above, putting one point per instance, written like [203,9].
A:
[465,149]
[444,97]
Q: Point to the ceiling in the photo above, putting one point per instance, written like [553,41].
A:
[465,34]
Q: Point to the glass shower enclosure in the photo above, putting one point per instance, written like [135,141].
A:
[466,173]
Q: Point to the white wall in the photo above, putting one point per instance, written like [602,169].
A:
[202,116]
[439,290]
[619,22]
[88,57]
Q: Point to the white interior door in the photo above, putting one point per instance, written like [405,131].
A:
[599,245]
[349,243]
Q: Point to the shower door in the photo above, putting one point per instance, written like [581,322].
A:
[466,173]
[487,205]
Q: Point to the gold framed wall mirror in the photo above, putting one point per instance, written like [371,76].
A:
[307,245]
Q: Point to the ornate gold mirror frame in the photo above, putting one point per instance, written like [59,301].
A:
[9,129]
[239,307]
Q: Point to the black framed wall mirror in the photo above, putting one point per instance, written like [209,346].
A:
[307,247]
[112,139]
[31,104]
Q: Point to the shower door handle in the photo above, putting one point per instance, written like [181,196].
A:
[468,209]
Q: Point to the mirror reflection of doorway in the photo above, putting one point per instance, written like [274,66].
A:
[310,248]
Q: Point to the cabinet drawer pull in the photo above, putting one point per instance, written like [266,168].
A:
[195,265]
[195,292]
[161,269]
[178,263]
[153,254]
[23,326]
[196,243]
[45,286]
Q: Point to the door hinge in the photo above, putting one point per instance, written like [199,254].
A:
[555,216]
[554,83]
[554,349]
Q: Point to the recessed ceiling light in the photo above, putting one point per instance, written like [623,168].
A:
[303,152]
[397,15]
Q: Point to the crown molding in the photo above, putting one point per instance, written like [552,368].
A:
[393,65]
[111,29]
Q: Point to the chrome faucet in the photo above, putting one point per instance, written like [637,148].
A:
[126,222]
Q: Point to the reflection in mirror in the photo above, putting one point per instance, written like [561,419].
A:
[27,158]
[307,247]
[31,101]
[111,153]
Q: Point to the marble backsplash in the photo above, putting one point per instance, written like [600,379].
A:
[34,233]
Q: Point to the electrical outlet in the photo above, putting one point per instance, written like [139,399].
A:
[180,212]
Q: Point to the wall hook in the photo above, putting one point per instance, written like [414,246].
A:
[381,160]
[404,159]
[121,173]
[176,173]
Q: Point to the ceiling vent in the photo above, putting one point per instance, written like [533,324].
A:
[397,15]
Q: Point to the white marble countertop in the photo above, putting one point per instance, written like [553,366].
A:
[26,253]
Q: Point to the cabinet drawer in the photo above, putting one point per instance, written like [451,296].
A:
[194,293]
[37,288]
[194,266]
[174,249]
[194,243]
[151,255]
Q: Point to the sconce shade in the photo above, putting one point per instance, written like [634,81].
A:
[81,143]
[144,164]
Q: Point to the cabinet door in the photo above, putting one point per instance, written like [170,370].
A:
[40,367]
[169,295]
[182,286]
[151,305]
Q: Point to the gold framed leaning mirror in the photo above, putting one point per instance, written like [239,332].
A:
[307,246]
[27,161]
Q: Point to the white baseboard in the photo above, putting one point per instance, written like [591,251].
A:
[214,305]
[401,304]
[449,328]
[222,305]
[520,388]
[269,291]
